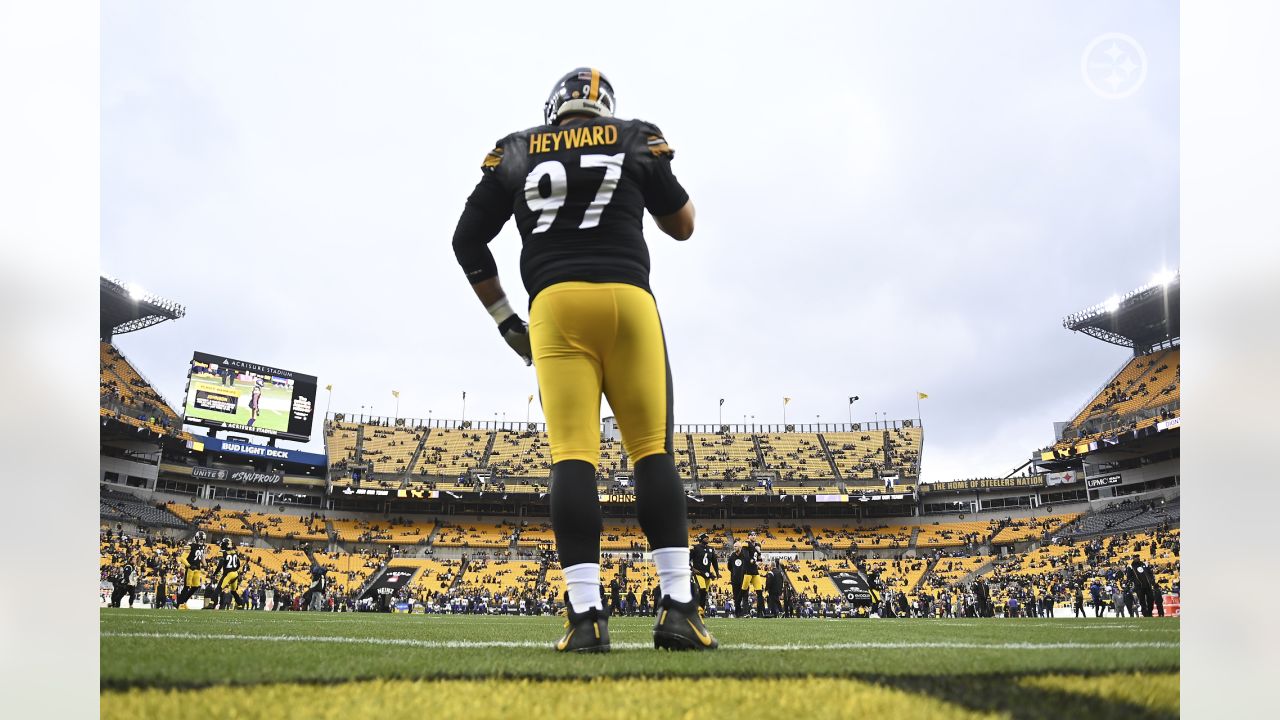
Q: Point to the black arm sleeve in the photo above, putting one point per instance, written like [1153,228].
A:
[663,193]
[486,212]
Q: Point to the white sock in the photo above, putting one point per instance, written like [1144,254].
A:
[673,572]
[583,581]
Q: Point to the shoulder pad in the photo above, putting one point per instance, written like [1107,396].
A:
[493,158]
[654,139]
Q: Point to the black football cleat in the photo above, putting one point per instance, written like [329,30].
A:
[585,632]
[680,627]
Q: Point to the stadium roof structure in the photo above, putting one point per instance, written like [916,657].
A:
[125,307]
[1142,319]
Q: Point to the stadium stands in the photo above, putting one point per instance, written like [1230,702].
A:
[463,532]
[955,534]
[390,448]
[724,457]
[121,382]
[795,456]
[1022,529]
[520,454]
[450,452]
[397,531]
[773,536]
[844,536]
[287,527]
[857,455]
[1130,400]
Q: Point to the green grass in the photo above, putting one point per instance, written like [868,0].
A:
[234,662]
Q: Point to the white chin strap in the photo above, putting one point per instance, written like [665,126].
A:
[582,105]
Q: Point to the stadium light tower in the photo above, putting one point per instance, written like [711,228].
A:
[1112,304]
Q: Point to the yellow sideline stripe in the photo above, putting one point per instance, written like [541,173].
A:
[626,699]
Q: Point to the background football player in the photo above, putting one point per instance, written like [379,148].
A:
[226,576]
[579,187]
[706,568]
[193,569]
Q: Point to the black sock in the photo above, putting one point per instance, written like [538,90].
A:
[660,502]
[575,512]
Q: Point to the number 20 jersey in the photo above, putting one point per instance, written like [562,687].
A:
[578,192]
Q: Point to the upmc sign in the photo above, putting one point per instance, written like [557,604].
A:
[1102,481]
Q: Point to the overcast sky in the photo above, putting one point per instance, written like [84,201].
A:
[892,197]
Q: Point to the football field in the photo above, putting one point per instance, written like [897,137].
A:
[325,665]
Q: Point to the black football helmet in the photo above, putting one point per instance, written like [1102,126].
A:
[583,90]
[702,538]
[199,537]
[225,545]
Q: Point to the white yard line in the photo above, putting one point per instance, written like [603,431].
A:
[473,644]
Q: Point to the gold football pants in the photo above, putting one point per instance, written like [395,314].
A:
[593,338]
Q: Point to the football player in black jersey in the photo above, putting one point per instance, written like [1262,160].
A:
[125,580]
[578,187]
[226,576]
[706,567]
[193,566]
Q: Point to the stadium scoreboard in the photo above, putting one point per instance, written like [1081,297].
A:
[223,393]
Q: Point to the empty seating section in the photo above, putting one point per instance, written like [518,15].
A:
[390,448]
[119,380]
[1021,529]
[810,578]
[725,457]
[813,488]
[904,450]
[623,536]
[795,456]
[684,461]
[773,535]
[536,534]
[396,531]
[611,453]
[462,532]
[873,537]
[287,527]
[223,522]
[434,576]
[520,454]
[451,451]
[1144,384]
[340,442]
[346,571]
[956,534]
[948,572]
[126,507]
[633,575]
[498,577]
[717,534]
[897,575]
[856,454]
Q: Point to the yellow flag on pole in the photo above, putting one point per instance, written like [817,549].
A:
[395,393]
[329,387]
[786,400]
[923,396]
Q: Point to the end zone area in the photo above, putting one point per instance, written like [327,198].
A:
[286,665]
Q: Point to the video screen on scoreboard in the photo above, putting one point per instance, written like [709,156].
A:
[238,395]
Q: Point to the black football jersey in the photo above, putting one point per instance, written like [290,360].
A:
[195,555]
[578,193]
[702,558]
